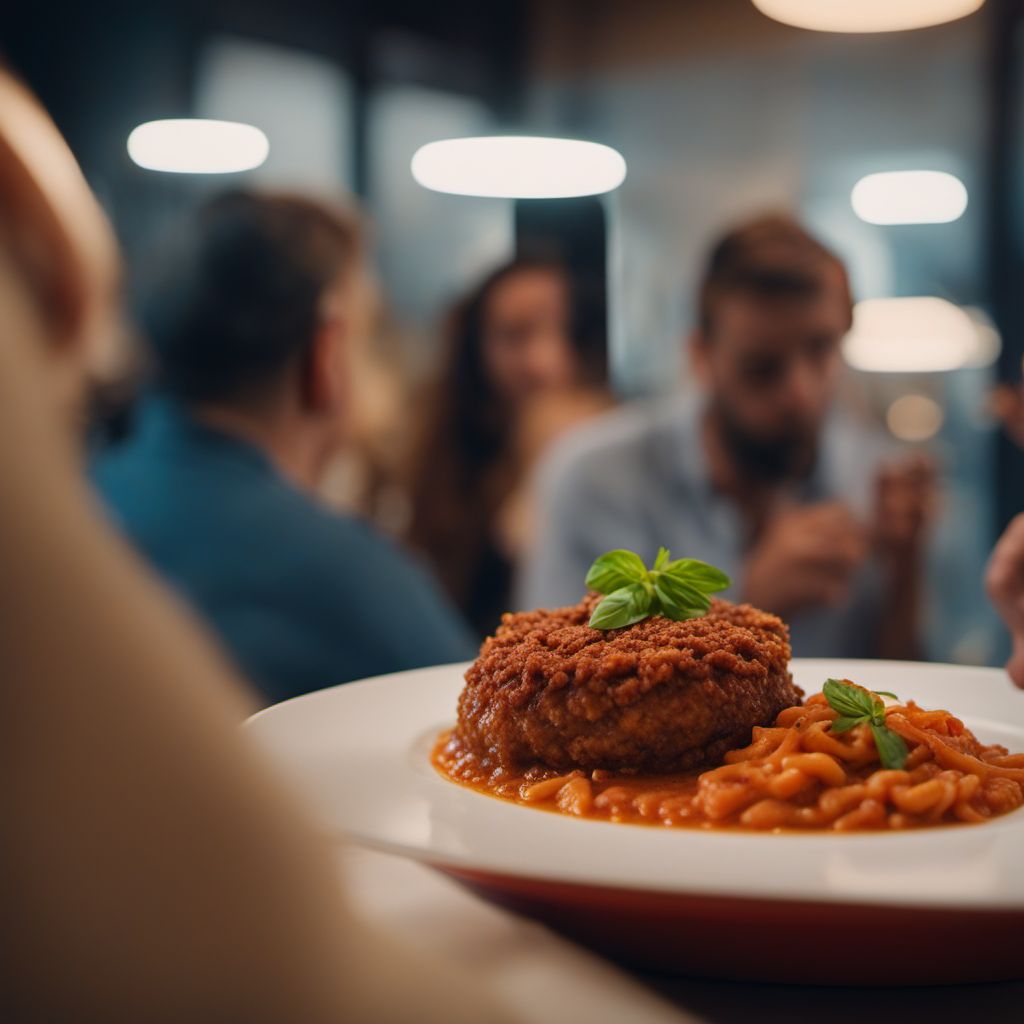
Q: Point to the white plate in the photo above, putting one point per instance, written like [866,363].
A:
[360,751]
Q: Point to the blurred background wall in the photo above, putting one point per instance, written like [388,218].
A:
[719,112]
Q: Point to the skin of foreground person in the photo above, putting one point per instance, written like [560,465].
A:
[155,869]
[1004,581]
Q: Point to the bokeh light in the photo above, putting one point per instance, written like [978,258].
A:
[914,418]
[919,334]
[909,197]
[518,167]
[197,146]
[866,15]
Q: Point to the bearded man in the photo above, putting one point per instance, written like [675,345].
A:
[814,516]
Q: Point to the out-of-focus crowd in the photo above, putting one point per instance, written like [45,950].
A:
[493,483]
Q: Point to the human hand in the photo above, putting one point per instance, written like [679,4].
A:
[904,507]
[806,556]
[1004,581]
[1007,405]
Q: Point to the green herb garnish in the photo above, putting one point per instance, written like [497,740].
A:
[858,706]
[679,589]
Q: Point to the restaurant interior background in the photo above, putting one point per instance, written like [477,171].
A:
[719,112]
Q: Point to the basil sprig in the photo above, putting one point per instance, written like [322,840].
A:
[679,589]
[857,706]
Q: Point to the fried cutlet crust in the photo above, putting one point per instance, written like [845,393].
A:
[658,696]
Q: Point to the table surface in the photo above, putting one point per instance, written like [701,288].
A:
[546,979]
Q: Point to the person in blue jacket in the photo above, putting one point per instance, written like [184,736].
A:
[247,318]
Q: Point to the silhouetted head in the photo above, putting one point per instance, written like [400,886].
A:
[247,305]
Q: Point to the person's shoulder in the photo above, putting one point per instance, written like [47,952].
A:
[316,525]
[854,451]
[310,556]
[335,544]
[853,442]
[344,566]
[612,445]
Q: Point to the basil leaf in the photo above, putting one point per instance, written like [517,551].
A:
[848,699]
[698,574]
[885,693]
[678,590]
[892,751]
[615,569]
[845,723]
[673,592]
[622,607]
[678,613]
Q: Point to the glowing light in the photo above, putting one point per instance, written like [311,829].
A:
[197,146]
[915,418]
[909,197]
[910,335]
[866,15]
[518,167]
[989,342]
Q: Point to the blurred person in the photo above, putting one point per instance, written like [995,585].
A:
[1004,581]
[1004,576]
[249,316]
[365,477]
[761,474]
[524,363]
[154,867]
[1006,404]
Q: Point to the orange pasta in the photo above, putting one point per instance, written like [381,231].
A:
[797,774]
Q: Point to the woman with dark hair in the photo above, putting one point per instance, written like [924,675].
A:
[525,361]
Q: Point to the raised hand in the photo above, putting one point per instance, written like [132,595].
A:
[904,507]
[805,556]
[1004,581]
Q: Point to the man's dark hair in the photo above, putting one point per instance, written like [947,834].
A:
[769,258]
[235,299]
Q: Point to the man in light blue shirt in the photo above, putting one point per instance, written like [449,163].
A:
[759,473]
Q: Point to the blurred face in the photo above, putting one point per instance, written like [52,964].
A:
[526,342]
[771,368]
